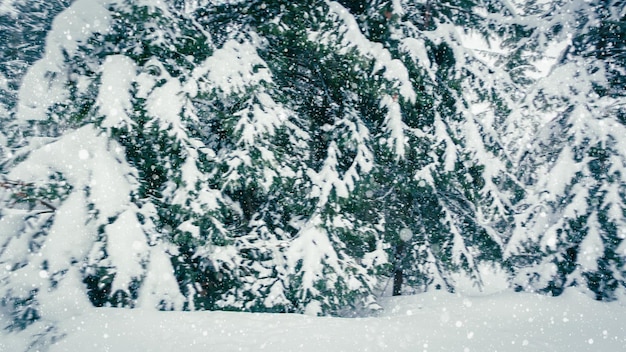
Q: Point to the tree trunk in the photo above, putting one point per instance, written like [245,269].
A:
[397,275]
[397,282]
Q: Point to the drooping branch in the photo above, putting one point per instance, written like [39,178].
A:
[24,192]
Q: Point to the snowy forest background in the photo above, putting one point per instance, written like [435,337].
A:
[281,156]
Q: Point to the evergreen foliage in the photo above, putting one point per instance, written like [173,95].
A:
[571,233]
[23,27]
[283,156]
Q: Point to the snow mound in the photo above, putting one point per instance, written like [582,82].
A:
[435,321]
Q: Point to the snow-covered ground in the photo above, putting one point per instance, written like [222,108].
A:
[435,321]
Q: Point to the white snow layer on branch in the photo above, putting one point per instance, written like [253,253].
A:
[352,37]
[66,300]
[86,159]
[127,250]
[592,247]
[69,238]
[416,48]
[45,82]
[160,288]
[232,69]
[114,98]
[363,161]
[451,153]
[166,103]
[394,126]
[459,248]
[312,249]
[328,178]
[7,7]
[101,184]
[261,118]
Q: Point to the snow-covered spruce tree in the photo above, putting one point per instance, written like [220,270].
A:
[165,168]
[323,148]
[23,26]
[319,60]
[457,163]
[195,217]
[258,146]
[572,233]
[112,148]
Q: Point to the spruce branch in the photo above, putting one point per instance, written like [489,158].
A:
[22,192]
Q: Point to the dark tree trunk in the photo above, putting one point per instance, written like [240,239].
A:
[397,275]
[397,282]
